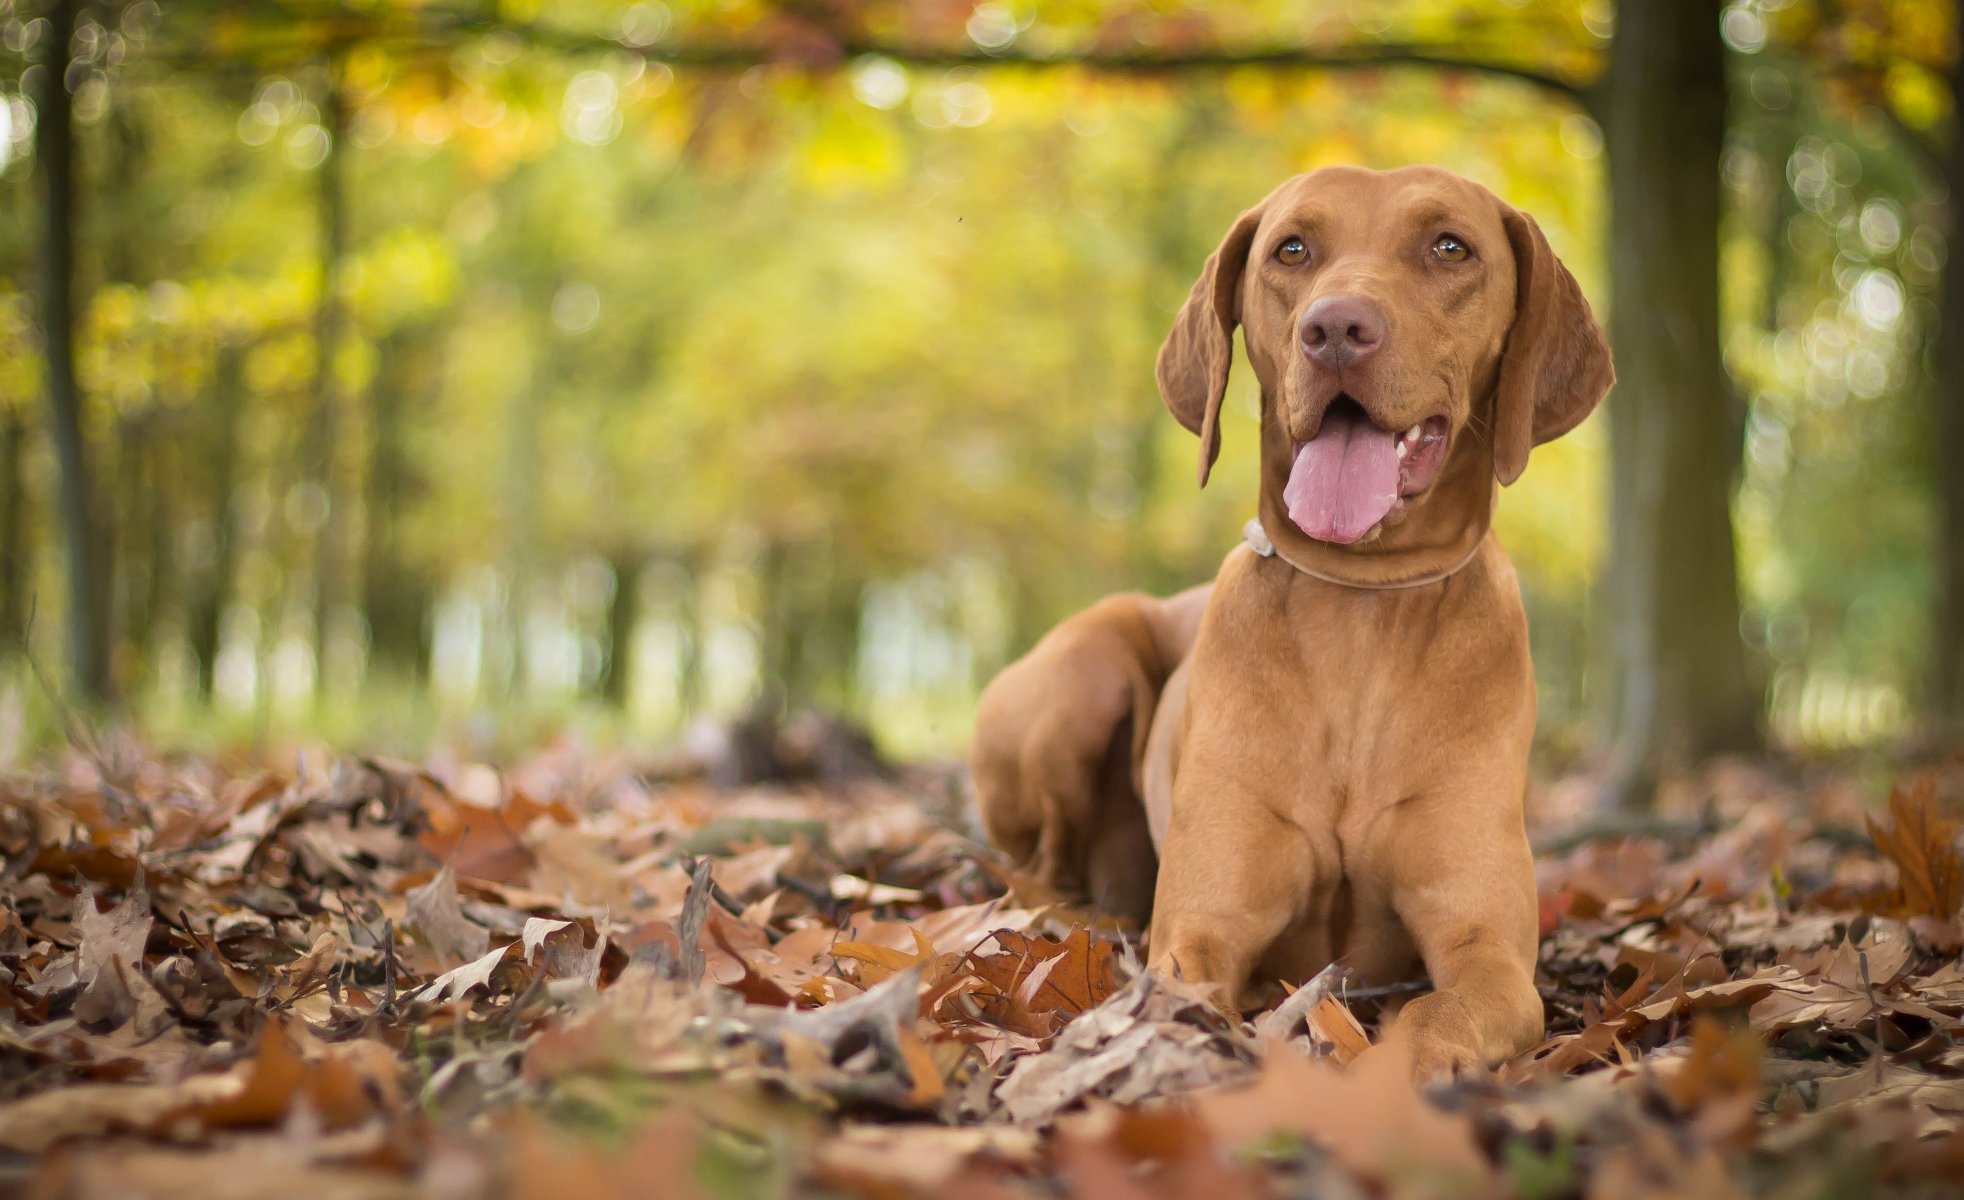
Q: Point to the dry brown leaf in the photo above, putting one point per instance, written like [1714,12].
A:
[879,963]
[1935,1102]
[114,936]
[916,1159]
[1841,987]
[1717,1081]
[1369,1115]
[1163,1153]
[436,913]
[1601,1040]
[454,983]
[473,841]
[1155,1037]
[1923,845]
[36,1123]
[273,1078]
[1038,983]
[311,911]
[251,1169]
[1315,1022]
[551,1164]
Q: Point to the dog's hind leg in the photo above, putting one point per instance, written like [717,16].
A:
[1121,866]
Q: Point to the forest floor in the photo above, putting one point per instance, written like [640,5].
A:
[580,977]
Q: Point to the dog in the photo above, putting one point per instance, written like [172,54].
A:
[1336,769]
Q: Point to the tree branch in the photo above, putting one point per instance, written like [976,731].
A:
[736,56]
[439,28]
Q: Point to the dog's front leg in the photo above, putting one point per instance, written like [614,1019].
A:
[1462,878]
[1233,876]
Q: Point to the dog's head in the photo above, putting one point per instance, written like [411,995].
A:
[1396,321]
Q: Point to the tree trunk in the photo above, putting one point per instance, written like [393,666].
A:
[505,674]
[209,586]
[54,149]
[688,605]
[623,613]
[1682,689]
[844,612]
[13,536]
[776,647]
[131,564]
[1947,675]
[329,319]
[1166,229]
[395,594]
[136,573]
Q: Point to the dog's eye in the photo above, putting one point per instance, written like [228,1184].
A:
[1291,251]
[1451,249]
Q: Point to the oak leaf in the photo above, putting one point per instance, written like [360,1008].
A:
[1922,843]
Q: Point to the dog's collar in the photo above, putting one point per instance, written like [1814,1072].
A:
[1256,538]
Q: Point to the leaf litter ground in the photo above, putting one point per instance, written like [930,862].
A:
[575,978]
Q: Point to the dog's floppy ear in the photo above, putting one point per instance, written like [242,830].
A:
[1193,362]
[1556,366]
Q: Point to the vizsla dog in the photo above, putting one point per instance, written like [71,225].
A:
[1336,770]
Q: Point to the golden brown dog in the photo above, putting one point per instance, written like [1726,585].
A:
[1336,771]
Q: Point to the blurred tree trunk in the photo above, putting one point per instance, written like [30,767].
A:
[331,199]
[775,648]
[396,594]
[1682,689]
[835,673]
[135,574]
[136,563]
[1948,392]
[1169,273]
[54,152]
[688,602]
[623,614]
[207,586]
[13,535]
[162,580]
[505,651]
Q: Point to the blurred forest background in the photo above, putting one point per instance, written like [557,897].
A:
[379,369]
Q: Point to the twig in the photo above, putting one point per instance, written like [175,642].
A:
[73,728]
[1409,987]
[723,899]
[389,963]
[1611,826]
[821,897]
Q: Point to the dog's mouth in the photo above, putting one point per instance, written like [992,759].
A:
[1353,474]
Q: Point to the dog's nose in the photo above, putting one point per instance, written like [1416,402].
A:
[1340,330]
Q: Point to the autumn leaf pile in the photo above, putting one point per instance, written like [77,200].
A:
[575,979]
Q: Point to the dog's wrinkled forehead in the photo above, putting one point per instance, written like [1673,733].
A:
[1350,210]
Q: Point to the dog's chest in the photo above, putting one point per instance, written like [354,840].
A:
[1365,697]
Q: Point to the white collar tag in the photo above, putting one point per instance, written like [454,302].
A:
[1257,538]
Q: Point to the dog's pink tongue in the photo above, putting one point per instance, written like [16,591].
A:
[1345,480]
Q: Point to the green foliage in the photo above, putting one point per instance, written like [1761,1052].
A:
[841,378]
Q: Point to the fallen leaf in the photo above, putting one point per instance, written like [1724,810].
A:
[437,915]
[1369,1115]
[1923,845]
[454,983]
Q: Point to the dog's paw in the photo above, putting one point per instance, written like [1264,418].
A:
[1425,1059]
[1438,1036]
[1435,1057]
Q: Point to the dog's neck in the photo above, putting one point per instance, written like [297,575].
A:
[1429,538]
